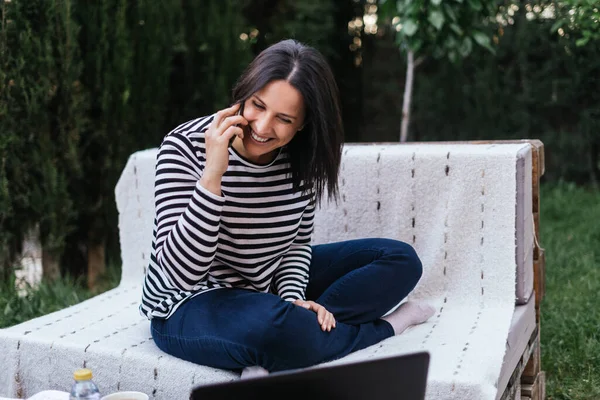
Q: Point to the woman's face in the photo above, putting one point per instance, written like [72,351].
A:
[274,114]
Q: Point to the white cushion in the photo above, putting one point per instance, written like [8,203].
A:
[457,204]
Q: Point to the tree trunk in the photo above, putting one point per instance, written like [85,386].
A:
[410,68]
[96,264]
[6,262]
[594,163]
[50,265]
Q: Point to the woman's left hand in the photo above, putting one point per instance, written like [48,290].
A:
[325,318]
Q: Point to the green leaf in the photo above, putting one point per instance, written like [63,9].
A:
[416,46]
[482,39]
[401,6]
[387,8]
[450,43]
[450,12]
[409,27]
[126,95]
[557,25]
[582,41]
[466,47]
[475,5]
[436,2]
[453,56]
[400,39]
[412,8]
[436,18]
[456,29]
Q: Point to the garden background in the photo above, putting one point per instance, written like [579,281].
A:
[83,84]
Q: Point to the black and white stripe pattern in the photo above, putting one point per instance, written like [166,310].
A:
[255,236]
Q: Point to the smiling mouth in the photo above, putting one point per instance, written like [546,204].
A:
[257,138]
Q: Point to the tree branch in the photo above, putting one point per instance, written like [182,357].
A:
[410,67]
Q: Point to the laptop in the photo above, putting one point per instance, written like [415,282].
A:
[399,377]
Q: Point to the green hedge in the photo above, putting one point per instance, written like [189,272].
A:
[83,84]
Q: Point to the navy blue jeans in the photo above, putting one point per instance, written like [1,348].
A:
[358,281]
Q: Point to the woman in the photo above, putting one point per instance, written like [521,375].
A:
[233,281]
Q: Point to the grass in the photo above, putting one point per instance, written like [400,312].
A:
[570,316]
[48,298]
[570,328]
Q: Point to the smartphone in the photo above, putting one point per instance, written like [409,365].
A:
[240,112]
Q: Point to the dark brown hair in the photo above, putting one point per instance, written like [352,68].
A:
[315,152]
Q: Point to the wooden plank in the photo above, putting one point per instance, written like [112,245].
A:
[539,261]
[536,390]
[517,394]
[539,281]
[512,391]
[539,146]
[532,368]
[535,180]
[527,391]
[513,387]
[540,387]
[536,232]
[533,382]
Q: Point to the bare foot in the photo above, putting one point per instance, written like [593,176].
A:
[408,314]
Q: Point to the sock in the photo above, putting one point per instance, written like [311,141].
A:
[253,372]
[408,314]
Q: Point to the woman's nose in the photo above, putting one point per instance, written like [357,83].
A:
[262,125]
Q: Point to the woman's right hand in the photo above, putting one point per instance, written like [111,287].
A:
[217,137]
[325,318]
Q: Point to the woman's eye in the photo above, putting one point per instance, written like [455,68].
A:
[261,107]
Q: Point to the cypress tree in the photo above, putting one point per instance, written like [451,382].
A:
[147,67]
[209,57]
[66,113]
[153,40]
[104,42]
[40,128]
[11,231]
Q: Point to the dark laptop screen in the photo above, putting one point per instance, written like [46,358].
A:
[400,377]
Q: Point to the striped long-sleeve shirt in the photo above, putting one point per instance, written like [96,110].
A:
[256,235]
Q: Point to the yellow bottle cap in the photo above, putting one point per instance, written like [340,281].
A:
[83,374]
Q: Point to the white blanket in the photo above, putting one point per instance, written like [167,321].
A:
[456,206]
[454,203]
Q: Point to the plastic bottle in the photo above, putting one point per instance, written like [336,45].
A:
[84,387]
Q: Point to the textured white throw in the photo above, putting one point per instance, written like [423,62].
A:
[456,206]
[454,203]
